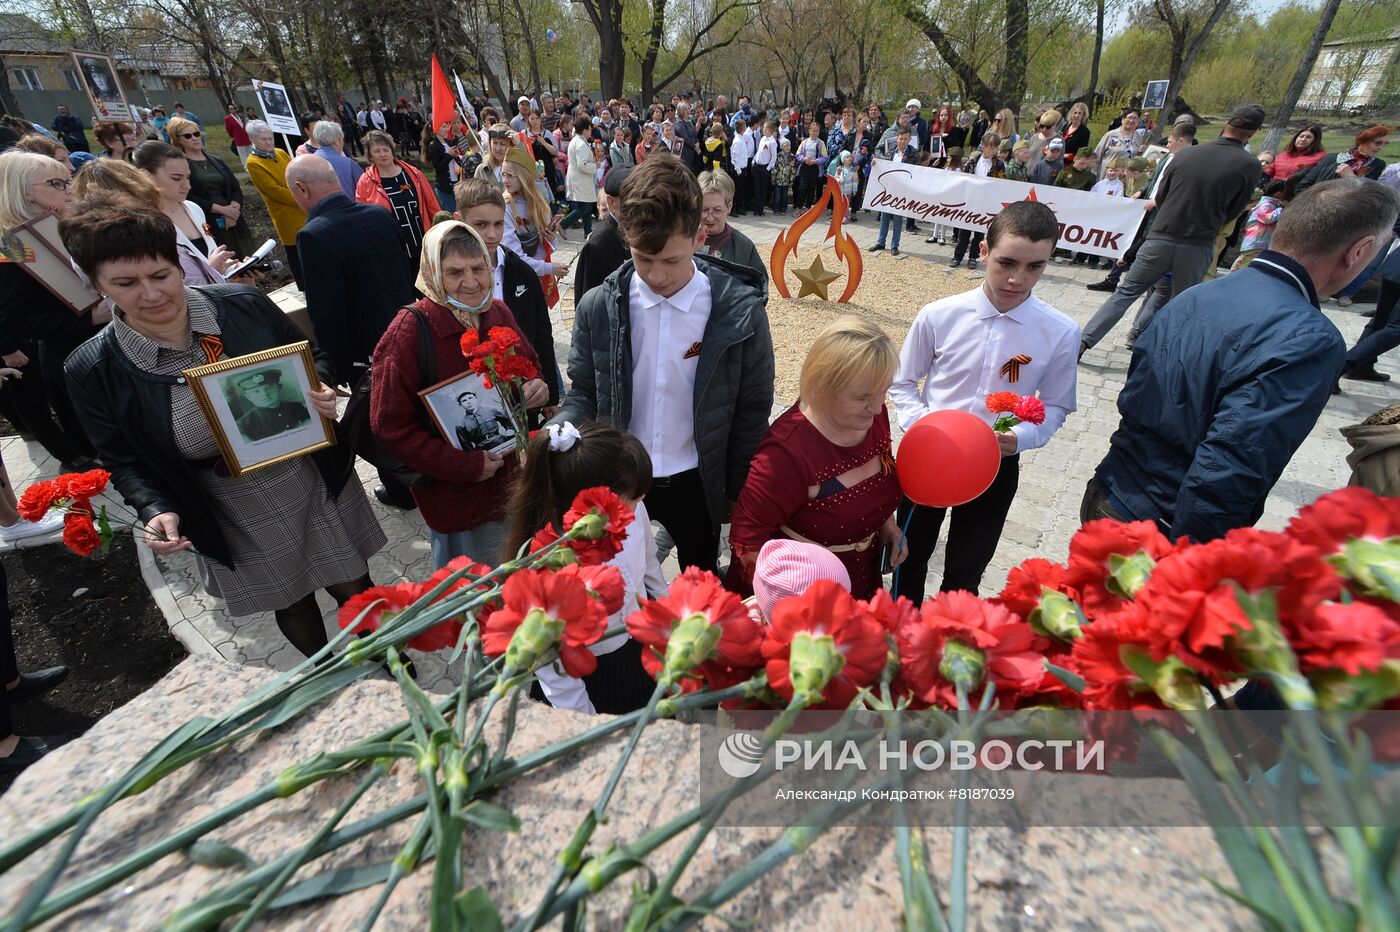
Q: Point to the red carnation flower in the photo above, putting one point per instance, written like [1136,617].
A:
[1029,409]
[1355,638]
[1191,597]
[82,486]
[1109,683]
[470,339]
[696,593]
[1090,571]
[516,367]
[826,610]
[473,569]
[39,499]
[504,337]
[1340,516]
[889,613]
[604,583]
[604,518]
[959,629]
[80,535]
[542,610]
[394,600]
[1025,583]
[1002,402]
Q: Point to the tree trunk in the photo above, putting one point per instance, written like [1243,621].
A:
[964,69]
[1092,94]
[653,49]
[1181,71]
[1016,32]
[535,85]
[7,95]
[1300,77]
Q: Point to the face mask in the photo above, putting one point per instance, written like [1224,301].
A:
[459,306]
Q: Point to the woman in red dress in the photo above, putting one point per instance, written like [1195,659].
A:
[824,473]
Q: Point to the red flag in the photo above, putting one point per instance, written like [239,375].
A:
[443,109]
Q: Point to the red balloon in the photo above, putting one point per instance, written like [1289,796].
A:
[947,458]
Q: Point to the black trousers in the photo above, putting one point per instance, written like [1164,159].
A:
[808,181]
[294,265]
[678,503]
[1382,334]
[761,184]
[972,536]
[743,190]
[44,410]
[9,664]
[965,244]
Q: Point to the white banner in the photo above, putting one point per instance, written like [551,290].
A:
[277,108]
[1098,224]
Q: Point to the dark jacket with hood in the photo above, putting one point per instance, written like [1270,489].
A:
[126,412]
[733,378]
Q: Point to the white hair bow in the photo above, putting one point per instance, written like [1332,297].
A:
[562,436]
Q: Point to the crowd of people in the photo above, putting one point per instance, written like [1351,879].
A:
[670,369]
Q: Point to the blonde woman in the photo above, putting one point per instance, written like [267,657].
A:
[530,230]
[1005,126]
[213,187]
[823,473]
[1045,129]
[1076,130]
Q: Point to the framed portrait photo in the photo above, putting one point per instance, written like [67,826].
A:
[35,247]
[99,76]
[469,415]
[259,406]
[277,108]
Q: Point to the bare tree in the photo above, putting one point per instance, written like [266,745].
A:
[1188,24]
[606,17]
[1008,88]
[1300,76]
[715,27]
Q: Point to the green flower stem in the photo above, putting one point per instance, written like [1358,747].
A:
[302,856]
[771,734]
[1222,762]
[405,862]
[571,858]
[921,907]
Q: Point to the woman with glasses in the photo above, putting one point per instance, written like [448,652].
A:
[37,330]
[213,187]
[399,188]
[1046,129]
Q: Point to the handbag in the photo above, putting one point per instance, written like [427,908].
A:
[355,425]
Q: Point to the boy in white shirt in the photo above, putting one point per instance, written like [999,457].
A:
[674,348]
[741,152]
[997,337]
[1112,183]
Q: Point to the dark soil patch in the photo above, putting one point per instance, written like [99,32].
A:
[96,617]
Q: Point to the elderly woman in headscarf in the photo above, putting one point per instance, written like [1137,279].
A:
[464,504]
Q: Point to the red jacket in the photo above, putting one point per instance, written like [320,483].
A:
[458,498]
[236,132]
[1284,165]
[368,190]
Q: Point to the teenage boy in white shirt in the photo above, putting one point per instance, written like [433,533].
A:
[997,337]
[674,348]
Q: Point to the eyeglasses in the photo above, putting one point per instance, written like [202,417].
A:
[58,184]
[498,134]
[195,135]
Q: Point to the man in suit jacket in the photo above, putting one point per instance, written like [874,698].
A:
[353,276]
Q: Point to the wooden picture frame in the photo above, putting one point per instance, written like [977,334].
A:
[445,407]
[98,74]
[48,263]
[254,426]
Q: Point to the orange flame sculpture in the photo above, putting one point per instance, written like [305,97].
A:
[846,248]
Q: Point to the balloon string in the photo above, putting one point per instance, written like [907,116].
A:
[903,533]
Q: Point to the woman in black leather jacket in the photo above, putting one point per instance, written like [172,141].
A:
[268,539]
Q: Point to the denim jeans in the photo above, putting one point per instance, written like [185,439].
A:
[890,222]
[1186,261]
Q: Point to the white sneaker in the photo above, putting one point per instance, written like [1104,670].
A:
[21,529]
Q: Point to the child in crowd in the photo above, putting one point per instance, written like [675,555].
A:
[787,568]
[716,148]
[847,178]
[1081,175]
[562,461]
[620,152]
[1259,228]
[1112,183]
[784,174]
[1019,166]
[530,227]
[647,144]
[950,160]
[1135,176]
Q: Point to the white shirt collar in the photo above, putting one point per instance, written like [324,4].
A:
[986,310]
[682,300]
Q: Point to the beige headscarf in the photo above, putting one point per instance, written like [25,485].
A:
[430,265]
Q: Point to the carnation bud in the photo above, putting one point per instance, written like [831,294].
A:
[558,558]
[1127,575]
[537,635]
[1264,648]
[962,665]
[692,642]
[1174,682]
[1374,565]
[1337,689]
[592,526]
[1057,615]
[812,662]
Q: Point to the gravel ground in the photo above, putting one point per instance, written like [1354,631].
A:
[891,292]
